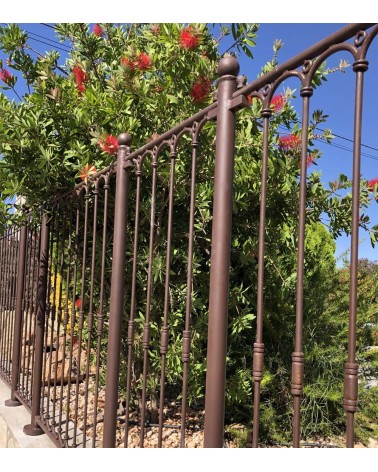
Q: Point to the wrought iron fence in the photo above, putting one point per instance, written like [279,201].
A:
[92,308]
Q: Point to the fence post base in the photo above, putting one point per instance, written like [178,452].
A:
[33,430]
[12,402]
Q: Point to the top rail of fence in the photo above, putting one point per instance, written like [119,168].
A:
[308,54]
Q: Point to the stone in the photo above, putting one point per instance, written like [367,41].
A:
[373,443]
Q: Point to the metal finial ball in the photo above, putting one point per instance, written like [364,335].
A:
[124,139]
[228,65]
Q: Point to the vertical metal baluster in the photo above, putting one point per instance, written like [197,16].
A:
[33,313]
[131,325]
[45,387]
[13,300]
[117,291]
[63,439]
[26,309]
[100,316]
[73,318]
[4,304]
[53,301]
[3,246]
[2,300]
[298,356]
[33,429]
[351,366]
[258,347]
[165,329]
[59,314]
[17,337]
[90,313]
[228,69]
[32,346]
[146,331]
[2,251]
[2,285]
[10,305]
[81,313]
[6,301]
[189,290]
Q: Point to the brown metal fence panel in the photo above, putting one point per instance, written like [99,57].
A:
[75,317]
[98,316]
[9,258]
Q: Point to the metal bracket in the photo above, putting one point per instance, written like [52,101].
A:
[238,103]
[212,114]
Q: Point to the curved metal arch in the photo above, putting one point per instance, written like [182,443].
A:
[104,177]
[192,131]
[163,144]
[95,186]
[274,86]
[82,187]
[188,130]
[185,131]
[367,42]
[259,94]
[137,164]
[197,128]
[329,52]
[142,157]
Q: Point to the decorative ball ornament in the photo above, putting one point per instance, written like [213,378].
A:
[124,139]
[228,65]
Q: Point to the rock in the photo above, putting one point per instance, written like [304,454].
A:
[373,442]
[154,442]
[190,443]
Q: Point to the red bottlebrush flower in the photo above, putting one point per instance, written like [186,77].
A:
[188,38]
[5,75]
[288,143]
[200,89]
[78,303]
[278,102]
[371,184]
[143,61]
[81,78]
[80,88]
[86,172]
[80,74]
[98,31]
[129,65]
[109,145]
[310,159]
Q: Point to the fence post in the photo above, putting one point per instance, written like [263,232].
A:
[33,428]
[116,293]
[228,69]
[17,333]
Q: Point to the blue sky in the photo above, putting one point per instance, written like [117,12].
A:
[335,98]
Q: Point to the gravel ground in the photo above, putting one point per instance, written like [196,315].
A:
[194,436]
